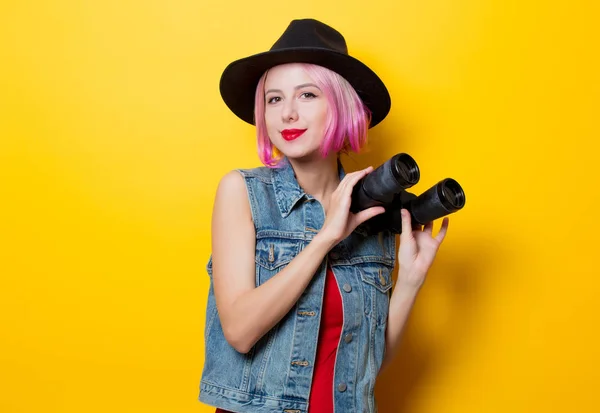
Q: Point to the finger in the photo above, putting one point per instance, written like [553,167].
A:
[443,230]
[344,182]
[352,178]
[406,225]
[351,175]
[428,228]
[367,214]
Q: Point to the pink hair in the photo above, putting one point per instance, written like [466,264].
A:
[347,124]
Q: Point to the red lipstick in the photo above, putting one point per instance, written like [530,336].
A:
[291,134]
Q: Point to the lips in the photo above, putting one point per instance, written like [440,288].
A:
[291,134]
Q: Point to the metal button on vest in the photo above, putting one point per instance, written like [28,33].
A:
[342,387]
[348,337]
[347,288]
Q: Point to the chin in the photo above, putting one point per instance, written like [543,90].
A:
[303,155]
[300,148]
[295,149]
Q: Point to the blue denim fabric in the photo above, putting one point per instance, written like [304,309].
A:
[276,374]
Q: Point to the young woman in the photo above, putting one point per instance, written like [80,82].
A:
[301,316]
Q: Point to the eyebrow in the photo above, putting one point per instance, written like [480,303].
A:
[296,88]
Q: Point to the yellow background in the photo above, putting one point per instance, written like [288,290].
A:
[113,138]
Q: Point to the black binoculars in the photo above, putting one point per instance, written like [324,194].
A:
[386,186]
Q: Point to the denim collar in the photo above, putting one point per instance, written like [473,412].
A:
[287,190]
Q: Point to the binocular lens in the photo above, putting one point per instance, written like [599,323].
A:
[405,170]
[453,194]
[382,184]
[442,199]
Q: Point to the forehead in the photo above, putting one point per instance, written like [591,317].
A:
[287,75]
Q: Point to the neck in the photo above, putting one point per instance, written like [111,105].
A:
[318,178]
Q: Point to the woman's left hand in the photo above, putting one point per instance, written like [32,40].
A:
[417,251]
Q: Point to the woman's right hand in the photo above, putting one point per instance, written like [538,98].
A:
[339,221]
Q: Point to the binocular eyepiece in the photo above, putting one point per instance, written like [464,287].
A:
[386,186]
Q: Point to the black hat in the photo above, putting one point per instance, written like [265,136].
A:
[304,41]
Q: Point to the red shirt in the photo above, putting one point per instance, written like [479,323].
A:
[332,320]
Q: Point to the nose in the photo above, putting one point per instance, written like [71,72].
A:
[289,112]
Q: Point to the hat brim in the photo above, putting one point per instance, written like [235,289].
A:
[240,78]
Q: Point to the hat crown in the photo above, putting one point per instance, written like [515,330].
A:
[311,33]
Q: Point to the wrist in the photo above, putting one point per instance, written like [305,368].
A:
[407,289]
[324,242]
[410,282]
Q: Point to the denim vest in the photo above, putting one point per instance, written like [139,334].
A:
[276,374]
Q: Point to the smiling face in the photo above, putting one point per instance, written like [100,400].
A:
[295,111]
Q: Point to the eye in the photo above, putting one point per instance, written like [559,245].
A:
[274,99]
[308,95]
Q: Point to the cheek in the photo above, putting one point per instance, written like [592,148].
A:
[272,124]
[321,118]
[270,119]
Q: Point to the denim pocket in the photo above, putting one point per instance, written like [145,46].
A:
[377,283]
[272,253]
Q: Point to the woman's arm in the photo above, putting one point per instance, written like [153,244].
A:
[248,312]
[418,249]
[401,304]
